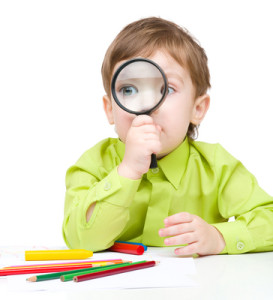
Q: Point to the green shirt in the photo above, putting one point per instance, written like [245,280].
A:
[199,178]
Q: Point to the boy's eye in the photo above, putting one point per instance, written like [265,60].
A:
[170,90]
[128,90]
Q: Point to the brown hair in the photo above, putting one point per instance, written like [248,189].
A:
[144,37]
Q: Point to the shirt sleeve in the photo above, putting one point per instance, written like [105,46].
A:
[113,195]
[240,196]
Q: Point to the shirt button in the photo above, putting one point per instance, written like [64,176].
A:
[107,186]
[240,245]
[155,170]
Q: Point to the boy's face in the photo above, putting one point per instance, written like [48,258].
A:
[179,109]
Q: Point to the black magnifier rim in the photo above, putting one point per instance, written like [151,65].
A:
[113,83]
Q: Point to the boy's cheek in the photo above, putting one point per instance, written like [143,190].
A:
[123,122]
[122,128]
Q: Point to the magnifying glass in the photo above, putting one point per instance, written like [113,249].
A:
[139,86]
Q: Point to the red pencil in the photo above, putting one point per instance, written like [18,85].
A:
[127,248]
[129,268]
[5,272]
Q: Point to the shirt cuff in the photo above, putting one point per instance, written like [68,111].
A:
[238,239]
[112,184]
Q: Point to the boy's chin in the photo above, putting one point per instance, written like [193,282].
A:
[161,155]
[170,150]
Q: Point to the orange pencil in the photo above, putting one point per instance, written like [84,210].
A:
[92,262]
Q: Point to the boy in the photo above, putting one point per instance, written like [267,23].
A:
[113,195]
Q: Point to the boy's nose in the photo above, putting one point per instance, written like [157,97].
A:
[155,112]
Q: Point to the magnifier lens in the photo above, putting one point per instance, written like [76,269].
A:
[139,86]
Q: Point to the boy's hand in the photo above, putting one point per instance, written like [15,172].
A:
[185,228]
[143,139]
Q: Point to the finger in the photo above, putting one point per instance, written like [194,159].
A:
[150,137]
[176,229]
[190,249]
[150,129]
[142,120]
[182,239]
[144,130]
[182,217]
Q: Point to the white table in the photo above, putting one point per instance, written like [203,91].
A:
[245,276]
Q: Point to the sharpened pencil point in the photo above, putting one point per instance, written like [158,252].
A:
[32,279]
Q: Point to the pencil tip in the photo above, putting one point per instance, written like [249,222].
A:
[32,279]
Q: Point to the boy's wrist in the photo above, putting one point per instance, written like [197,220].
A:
[125,171]
[221,244]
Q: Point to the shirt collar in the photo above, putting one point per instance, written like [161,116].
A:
[172,165]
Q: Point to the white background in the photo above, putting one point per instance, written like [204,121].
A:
[51,90]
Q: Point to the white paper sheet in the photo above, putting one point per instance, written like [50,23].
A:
[172,271]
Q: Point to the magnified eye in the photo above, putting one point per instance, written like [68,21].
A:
[128,91]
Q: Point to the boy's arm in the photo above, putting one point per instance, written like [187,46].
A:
[113,195]
[239,195]
[103,196]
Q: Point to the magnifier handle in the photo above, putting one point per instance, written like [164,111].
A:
[153,164]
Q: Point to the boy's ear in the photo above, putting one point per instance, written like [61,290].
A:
[200,109]
[107,105]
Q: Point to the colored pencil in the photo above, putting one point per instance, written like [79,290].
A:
[70,276]
[57,275]
[127,248]
[92,262]
[133,243]
[89,265]
[131,267]
[57,254]
[47,266]
[4,272]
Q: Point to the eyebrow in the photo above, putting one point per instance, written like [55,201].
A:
[175,75]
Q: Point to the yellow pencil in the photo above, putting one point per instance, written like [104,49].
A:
[57,254]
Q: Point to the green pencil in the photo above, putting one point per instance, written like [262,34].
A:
[70,277]
[57,275]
